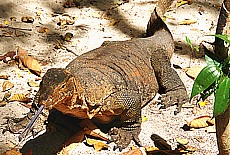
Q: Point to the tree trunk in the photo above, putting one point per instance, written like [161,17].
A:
[222,52]
[223,27]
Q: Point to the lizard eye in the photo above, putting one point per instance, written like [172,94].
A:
[63,86]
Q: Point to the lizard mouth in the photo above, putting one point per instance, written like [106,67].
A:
[62,94]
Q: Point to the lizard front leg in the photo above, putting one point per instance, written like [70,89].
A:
[168,80]
[130,102]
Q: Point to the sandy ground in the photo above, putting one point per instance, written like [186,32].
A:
[95,22]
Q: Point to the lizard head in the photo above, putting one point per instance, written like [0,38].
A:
[57,86]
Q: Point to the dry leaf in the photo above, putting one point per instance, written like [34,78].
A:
[193,71]
[68,36]
[4,77]
[3,26]
[11,152]
[96,14]
[113,22]
[148,149]
[203,103]
[187,22]
[13,18]
[65,150]
[28,61]
[98,145]
[7,85]
[183,2]
[33,84]
[211,121]
[160,142]
[190,148]
[92,130]
[186,149]
[136,151]
[27,19]
[20,98]
[43,30]
[144,118]
[182,141]
[199,122]
[3,103]
[8,56]
[5,99]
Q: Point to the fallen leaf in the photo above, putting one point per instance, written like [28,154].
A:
[27,19]
[192,72]
[11,152]
[144,118]
[3,26]
[68,36]
[3,103]
[186,149]
[13,18]
[33,84]
[7,85]
[92,130]
[183,2]
[113,22]
[211,121]
[187,22]
[136,151]
[148,149]
[65,150]
[4,77]
[98,145]
[65,21]
[28,61]
[203,103]
[6,22]
[8,56]
[43,30]
[96,14]
[190,149]
[199,122]
[182,141]
[160,143]
[20,98]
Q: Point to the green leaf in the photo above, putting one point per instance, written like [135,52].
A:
[205,78]
[197,49]
[222,97]
[189,41]
[224,37]
[210,61]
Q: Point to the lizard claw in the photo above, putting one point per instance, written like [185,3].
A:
[122,137]
[172,97]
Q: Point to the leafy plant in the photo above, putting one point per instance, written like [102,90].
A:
[196,48]
[214,78]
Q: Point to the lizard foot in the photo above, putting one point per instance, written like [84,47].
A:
[122,137]
[172,97]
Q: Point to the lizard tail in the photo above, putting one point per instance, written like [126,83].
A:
[157,31]
[155,24]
